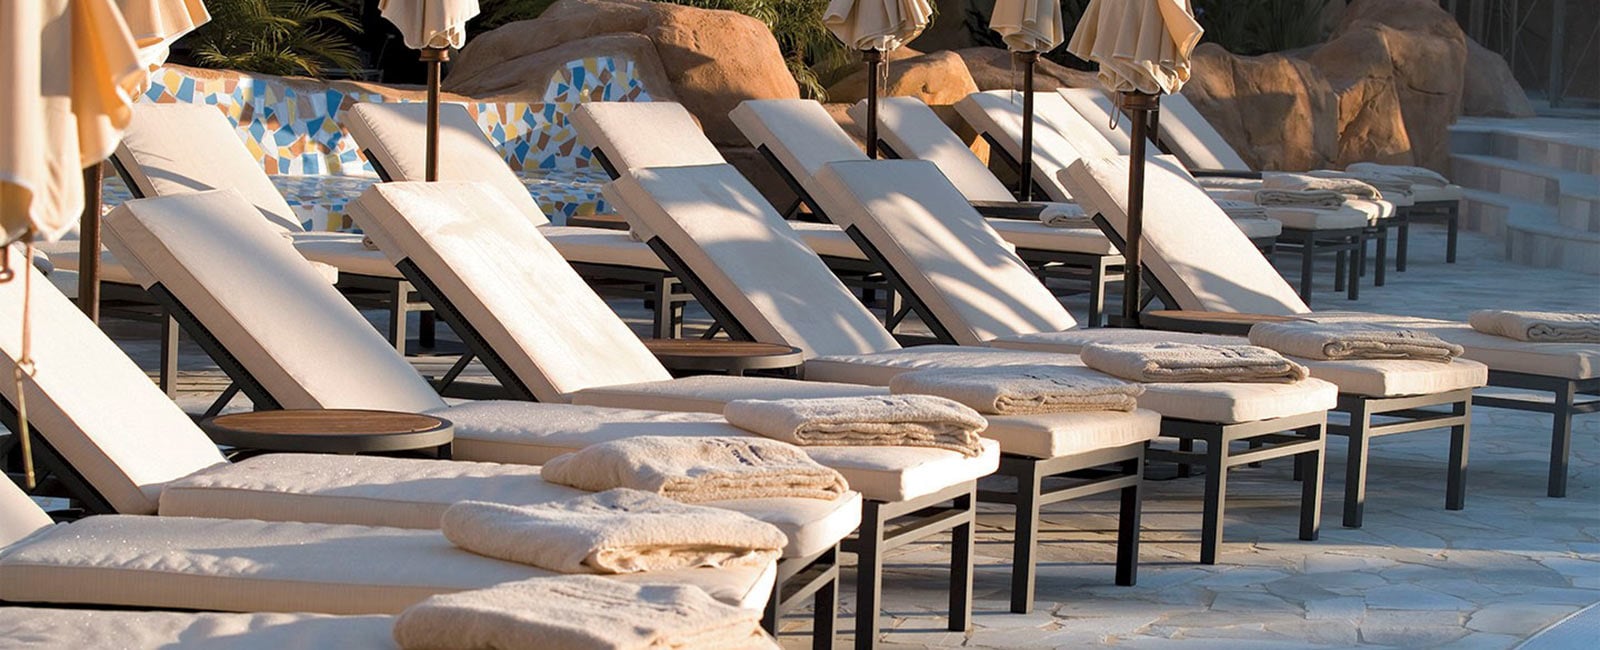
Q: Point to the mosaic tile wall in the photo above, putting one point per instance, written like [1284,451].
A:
[296,136]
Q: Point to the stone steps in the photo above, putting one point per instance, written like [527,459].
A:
[1536,186]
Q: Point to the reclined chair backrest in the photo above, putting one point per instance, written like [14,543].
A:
[634,135]
[290,332]
[19,515]
[183,148]
[735,246]
[394,137]
[552,333]
[1098,110]
[1189,136]
[953,262]
[913,131]
[1190,245]
[799,134]
[96,409]
[1056,143]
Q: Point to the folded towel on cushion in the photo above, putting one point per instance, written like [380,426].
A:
[1351,341]
[1411,174]
[1065,215]
[1023,390]
[695,469]
[1236,209]
[1392,187]
[886,421]
[616,531]
[1327,199]
[578,613]
[1313,181]
[1191,362]
[1538,326]
[1228,182]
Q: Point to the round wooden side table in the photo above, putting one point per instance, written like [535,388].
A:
[331,431]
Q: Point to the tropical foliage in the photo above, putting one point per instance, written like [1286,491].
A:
[1247,27]
[282,37]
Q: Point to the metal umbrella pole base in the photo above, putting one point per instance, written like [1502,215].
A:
[1142,109]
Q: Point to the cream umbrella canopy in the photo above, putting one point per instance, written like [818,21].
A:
[875,27]
[1028,27]
[1143,48]
[432,26]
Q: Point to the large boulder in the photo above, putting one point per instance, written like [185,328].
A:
[939,78]
[1276,111]
[529,79]
[710,60]
[992,69]
[1371,122]
[1491,90]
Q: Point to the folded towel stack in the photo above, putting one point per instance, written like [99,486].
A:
[578,613]
[1392,187]
[1066,215]
[1315,181]
[1408,173]
[896,420]
[1024,390]
[1351,341]
[1191,362]
[1325,199]
[616,531]
[1236,209]
[1538,326]
[1228,182]
[695,469]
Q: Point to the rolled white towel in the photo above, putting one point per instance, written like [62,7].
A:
[616,531]
[1023,390]
[1412,174]
[695,469]
[1538,326]
[579,613]
[1317,181]
[1310,340]
[878,421]
[1065,215]
[1191,362]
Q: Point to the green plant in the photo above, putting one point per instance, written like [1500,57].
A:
[1253,27]
[281,37]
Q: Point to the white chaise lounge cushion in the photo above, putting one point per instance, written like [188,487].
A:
[799,133]
[37,627]
[254,293]
[258,566]
[940,246]
[602,246]
[914,131]
[757,266]
[181,148]
[506,279]
[1191,247]
[1192,138]
[637,135]
[394,134]
[1056,143]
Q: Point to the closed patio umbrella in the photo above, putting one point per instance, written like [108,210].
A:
[1143,48]
[432,26]
[875,27]
[1028,28]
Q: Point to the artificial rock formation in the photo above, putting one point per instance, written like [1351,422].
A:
[940,78]
[1276,111]
[992,68]
[1491,90]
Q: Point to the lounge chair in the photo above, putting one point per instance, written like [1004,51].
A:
[290,342]
[798,137]
[48,628]
[776,303]
[1218,276]
[911,228]
[997,115]
[242,565]
[497,282]
[635,135]
[394,136]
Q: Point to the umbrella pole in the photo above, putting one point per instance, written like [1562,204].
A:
[1139,106]
[435,58]
[1025,184]
[89,243]
[874,59]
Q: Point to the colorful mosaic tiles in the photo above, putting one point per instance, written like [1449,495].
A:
[296,133]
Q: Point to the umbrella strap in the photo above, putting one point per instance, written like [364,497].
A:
[25,367]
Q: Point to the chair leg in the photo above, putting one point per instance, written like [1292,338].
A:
[962,539]
[1311,487]
[1452,230]
[1353,284]
[662,291]
[825,614]
[168,377]
[869,574]
[427,323]
[1306,264]
[1184,469]
[1401,245]
[1026,540]
[1381,267]
[1455,491]
[1561,440]
[397,317]
[1128,525]
[1216,497]
[1097,294]
[1339,266]
[1355,466]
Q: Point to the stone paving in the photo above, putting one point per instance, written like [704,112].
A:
[1415,575]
